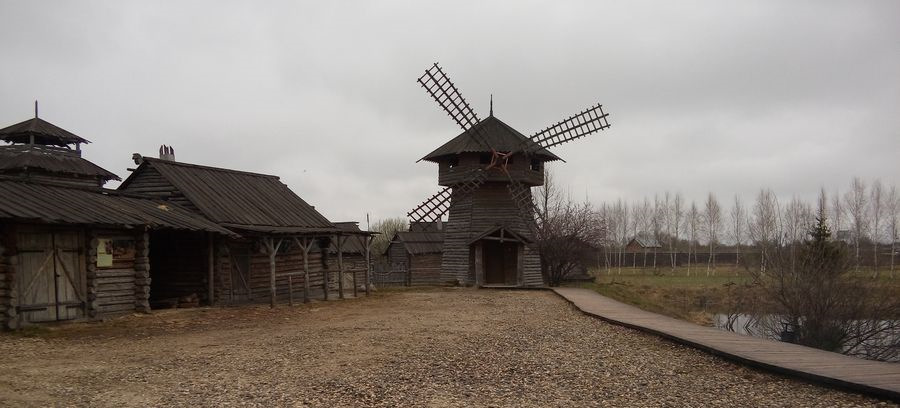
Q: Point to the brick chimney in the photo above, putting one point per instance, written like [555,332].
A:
[167,153]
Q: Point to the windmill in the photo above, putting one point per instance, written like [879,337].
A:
[487,173]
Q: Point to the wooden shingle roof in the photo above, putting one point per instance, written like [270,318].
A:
[240,200]
[417,243]
[44,133]
[56,204]
[51,159]
[498,135]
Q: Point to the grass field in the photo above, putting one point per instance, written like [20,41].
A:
[690,295]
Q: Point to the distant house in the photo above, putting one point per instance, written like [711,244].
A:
[417,255]
[642,243]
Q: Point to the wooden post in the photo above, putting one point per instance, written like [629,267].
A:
[272,248]
[369,241]
[211,246]
[340,251]
[290,291]
[325,273]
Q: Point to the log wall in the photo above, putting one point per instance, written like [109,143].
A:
[489,206]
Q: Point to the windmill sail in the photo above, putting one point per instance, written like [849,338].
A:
[442,90]
[590,120]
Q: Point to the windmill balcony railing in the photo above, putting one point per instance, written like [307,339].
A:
[461,173]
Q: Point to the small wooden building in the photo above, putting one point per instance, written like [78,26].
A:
[70,249]
[641,243]
[418,255]
[283,251]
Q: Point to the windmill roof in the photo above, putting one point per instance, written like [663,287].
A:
[44,133]
[498,135]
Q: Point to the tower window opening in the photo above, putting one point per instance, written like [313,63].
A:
[485,158]
[453,162]
[537,165]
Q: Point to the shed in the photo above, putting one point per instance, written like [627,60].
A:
[417,255]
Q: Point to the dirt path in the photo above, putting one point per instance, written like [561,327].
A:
[443,347]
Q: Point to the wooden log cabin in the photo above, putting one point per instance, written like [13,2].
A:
[287,249]
[70,249]
[418,255]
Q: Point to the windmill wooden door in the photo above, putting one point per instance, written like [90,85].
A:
[500,262]
[51,282]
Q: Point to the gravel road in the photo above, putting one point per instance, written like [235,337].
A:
[436,347]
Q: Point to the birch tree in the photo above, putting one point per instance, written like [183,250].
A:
[712,214]
[857,204]
[765,226]
[693,227]
[876,198]
[658,214]
[892,213]
[738,219]
[837,213]
[677,213]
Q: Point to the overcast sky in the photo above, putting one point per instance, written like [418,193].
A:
[713,96]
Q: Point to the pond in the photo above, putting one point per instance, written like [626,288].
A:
[883,345]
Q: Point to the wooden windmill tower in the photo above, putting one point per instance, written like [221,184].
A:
[487,173]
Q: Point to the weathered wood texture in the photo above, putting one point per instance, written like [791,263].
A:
[519,167]
[489,206]
[874,377]
[150,182]
[243,275]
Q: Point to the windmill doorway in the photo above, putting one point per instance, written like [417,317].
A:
[501,262]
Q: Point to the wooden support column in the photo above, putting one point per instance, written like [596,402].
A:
[368,243]
[325,273]
[305,245]
[479,264]
[340,251]
[272,249]
[211,260]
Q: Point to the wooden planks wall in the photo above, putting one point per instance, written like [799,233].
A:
[425,269]
[490,205]
[149,181]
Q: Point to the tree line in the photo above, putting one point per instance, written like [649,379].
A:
[866,216]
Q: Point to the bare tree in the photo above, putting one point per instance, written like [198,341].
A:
[892,208]
[387,227]
[877,212]
[765,225]
[712,214]
[659,211]
[643,213]
[837,213]
[857,203]
[569,233]
[821,304]
[738,219]
[693,228]
[677,213]
[667,219]
[620,213]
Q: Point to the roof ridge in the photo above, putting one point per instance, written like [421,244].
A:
[205,167]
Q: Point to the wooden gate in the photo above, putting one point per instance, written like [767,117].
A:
[51,284]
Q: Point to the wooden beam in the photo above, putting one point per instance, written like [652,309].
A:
[272,248]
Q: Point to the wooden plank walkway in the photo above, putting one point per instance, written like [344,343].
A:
[870,377]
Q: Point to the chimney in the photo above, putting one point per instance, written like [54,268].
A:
[167,153]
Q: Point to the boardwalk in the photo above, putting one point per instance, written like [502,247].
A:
[872,377]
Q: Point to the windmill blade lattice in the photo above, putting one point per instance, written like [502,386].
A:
[437,205]
[525,204]
[579,125]
[442,90]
